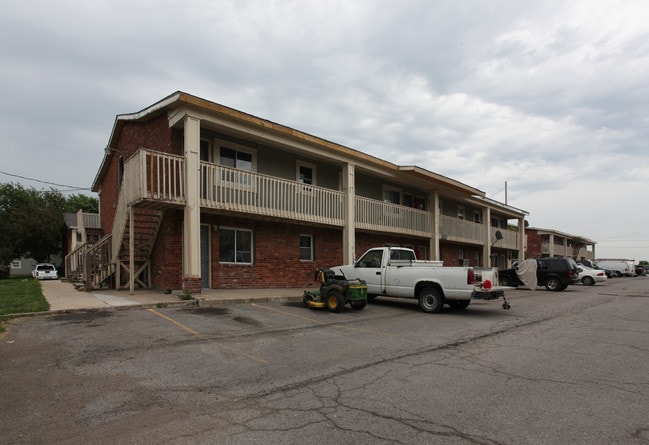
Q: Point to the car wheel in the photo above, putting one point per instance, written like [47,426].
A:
[335,301]
[618,274]
[588,281]
[430,300]
[553,284]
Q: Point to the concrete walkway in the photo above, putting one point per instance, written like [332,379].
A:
[62,296]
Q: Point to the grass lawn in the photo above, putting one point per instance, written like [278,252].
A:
[20,294]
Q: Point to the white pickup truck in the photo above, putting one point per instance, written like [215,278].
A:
[395,272]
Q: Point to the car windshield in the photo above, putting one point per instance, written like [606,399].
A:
[45,267]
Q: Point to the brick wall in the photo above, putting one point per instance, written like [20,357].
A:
[450,254]
[534,244]
[167,255]
[154,134]
[276,248]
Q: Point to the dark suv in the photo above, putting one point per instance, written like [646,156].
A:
[552,272]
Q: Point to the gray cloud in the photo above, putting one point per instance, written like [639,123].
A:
[549,96]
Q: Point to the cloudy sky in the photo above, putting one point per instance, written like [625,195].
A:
[548,97]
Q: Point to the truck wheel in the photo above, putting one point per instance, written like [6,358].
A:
[553,284]
[430,300]
[335,301]
[459,305]
[358,305]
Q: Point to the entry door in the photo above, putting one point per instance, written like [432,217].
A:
[205,256]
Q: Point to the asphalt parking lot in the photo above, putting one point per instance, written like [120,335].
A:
[280,373]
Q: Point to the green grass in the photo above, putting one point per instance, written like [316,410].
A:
[19,295]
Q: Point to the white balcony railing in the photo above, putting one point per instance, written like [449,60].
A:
[372,214]
[509,239]
[247,192]
[160,177]
[454,229]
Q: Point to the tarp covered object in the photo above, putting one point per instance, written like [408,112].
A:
[526,271]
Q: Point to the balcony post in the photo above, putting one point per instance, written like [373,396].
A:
[349,217]
[434,239]
[486,248]
[521,239]
[192,219]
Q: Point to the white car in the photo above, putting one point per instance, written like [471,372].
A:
[45,271]
[588,276]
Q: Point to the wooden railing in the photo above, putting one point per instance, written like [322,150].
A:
[90,263]
[154,175]
[160,177]
[509,239]
[372,214]
[454,229]
[241,191]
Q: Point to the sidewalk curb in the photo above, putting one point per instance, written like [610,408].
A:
[193,302]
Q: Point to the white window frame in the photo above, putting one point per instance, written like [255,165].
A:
[311,250]
[252,245]
[228,176]
[16,264]
[387,188]
[306,187]
[309,165]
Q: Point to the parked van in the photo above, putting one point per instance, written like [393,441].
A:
[619,267]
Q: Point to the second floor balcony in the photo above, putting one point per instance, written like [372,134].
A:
[157,179]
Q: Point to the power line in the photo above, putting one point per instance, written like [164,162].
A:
[68,187]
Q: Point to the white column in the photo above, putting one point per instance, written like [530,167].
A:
[486,248]
[434,240]
[349,229]
[521,239]
[192,222]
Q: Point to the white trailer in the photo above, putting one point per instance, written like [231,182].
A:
[619,267]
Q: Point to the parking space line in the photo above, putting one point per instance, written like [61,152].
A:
[199,335]
[368,331]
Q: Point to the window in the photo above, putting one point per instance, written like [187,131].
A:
[235,246]
[408,200]
[460,212]
[306,248]
[239,158]
[305,173]
[391,195]
[477,216]
[16,264]
[372,259]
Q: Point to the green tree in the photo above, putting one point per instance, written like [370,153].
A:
[30,222]
[88,204]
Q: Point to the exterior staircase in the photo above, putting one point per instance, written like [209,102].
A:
[108,261]
[146,225]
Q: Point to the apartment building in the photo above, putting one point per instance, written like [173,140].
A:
[196,195]
[549,242]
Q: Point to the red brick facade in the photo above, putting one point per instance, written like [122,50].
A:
[275,248]
[453,254]
[153,134]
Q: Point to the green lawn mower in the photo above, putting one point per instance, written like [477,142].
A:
[335,292]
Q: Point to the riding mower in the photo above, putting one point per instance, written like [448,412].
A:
[335,292]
